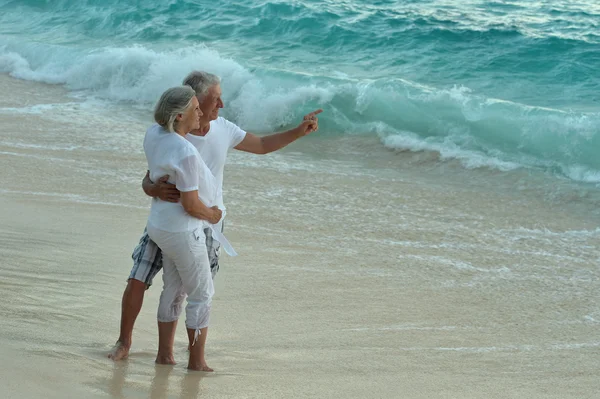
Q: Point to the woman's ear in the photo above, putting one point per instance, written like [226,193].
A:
[179,116]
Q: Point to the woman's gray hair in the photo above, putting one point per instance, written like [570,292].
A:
[174,101]
[201,81]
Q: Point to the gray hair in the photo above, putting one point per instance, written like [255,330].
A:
[174,101]
[201,81]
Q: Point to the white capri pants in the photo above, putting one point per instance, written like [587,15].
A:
[186,270]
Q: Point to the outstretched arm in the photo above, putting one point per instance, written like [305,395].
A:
[161,189]
[273,142]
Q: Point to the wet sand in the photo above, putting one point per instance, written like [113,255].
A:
[348,284]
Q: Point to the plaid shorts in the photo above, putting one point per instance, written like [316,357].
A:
[147,257]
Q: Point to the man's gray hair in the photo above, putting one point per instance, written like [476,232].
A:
[201,81]
[174,101]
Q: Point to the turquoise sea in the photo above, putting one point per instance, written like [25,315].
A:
[491,84]
[436,238]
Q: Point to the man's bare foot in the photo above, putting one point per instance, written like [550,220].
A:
[165,358]
[199,367]
[119,352]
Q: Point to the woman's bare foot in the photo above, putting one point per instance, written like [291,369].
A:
[202,366]
[166,358]
[119,351]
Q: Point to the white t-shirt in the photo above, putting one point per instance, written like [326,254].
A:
[170,154]
[213,147]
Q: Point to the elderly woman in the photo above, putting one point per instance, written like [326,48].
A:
[178,228]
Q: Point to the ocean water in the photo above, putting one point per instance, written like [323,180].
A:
[503,85]
[445,217]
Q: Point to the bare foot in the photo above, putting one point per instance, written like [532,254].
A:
[119,351]
[199,367]
[165,358]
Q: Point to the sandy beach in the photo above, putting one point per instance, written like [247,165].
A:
[419,283]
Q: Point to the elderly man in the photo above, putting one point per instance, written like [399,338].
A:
[213,140]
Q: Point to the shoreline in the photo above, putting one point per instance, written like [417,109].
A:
[404,284]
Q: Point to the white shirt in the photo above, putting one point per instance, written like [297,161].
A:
[213,148]
[170,154]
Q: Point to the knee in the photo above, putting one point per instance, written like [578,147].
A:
[178,300]
[169,309]
[136,287]
[203,292]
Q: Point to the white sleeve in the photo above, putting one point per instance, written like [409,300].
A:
[235,133]
[187,174]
